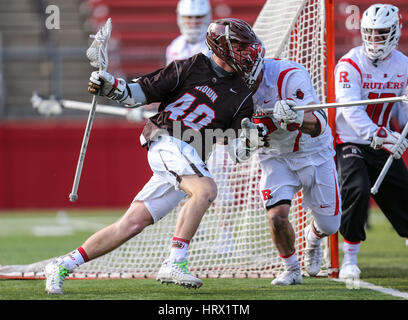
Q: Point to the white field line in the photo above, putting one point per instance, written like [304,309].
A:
[367,285]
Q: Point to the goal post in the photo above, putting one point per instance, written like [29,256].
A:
[233,239]
[331,97]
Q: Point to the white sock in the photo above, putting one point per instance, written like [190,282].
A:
[290,261]
[312,238]
[178,251]
[74,259]
[350,250]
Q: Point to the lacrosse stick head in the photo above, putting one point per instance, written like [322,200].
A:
[44,106]
[97,53]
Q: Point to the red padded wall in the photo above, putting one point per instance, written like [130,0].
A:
[38,162]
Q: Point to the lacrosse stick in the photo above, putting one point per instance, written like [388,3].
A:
[388,163]
[97,54]
[351,103]
[343,104]
[52,106]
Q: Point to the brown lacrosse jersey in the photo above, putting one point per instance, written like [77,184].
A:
[195,104]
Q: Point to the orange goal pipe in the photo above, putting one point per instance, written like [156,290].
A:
[330,65]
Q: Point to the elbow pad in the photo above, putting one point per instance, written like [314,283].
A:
[133,96]
[321,124]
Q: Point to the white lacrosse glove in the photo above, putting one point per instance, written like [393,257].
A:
[387,140]
[104,84]
[253,136]
[288,119]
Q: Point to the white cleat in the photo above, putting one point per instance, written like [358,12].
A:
[349,271]
[287,278]
[55,275]
[177,273]
[313,260]
[313,256]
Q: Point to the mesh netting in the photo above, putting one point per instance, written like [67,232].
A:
[233,239]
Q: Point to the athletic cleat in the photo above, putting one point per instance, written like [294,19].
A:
[177,273]
[55,275]
[313,257]
[349,271]
[289,277]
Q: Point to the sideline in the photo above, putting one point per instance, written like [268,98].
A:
[367,285]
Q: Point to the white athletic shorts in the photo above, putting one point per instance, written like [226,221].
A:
[283,177]
[169,159]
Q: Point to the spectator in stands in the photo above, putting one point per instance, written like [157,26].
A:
[364,139]
[193,18]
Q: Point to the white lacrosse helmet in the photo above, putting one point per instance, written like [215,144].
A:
[193,18]
[380,29]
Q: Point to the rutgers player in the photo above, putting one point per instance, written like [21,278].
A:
[300,155]
[364,139]
[196,95]
[193,18]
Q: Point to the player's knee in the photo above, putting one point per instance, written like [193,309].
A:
[201,188]
[135,220]
[327,225]
[330,229]
[135,229]
[207,191]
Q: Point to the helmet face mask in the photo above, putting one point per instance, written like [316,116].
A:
[193,18]
[380,30]
[233,41]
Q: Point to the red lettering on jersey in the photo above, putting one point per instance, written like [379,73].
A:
[374,111]
[266,194]
[366,85]
[343,76]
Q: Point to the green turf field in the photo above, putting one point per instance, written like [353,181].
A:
[27,237]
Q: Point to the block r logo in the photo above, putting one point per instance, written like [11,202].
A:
[266,194]
[343,77]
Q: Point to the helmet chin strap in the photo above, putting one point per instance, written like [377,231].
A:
[375,62]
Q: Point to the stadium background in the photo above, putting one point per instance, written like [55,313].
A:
[38,155]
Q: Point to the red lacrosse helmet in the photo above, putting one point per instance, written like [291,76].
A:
[234,41]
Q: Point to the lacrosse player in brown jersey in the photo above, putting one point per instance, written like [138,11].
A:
[201,100]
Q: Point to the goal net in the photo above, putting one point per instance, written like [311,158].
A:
[233,239]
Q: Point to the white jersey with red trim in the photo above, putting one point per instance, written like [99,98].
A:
[357,78]
[180,48]
[284,80]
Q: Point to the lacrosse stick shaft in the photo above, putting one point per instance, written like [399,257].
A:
[351,103]
[388,163]
[74,193]
[97,54]
[115,111]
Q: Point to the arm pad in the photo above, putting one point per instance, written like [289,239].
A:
[321,122]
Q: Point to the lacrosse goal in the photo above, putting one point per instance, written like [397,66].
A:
[233,239]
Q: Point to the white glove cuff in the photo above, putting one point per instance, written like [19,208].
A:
[321,122]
